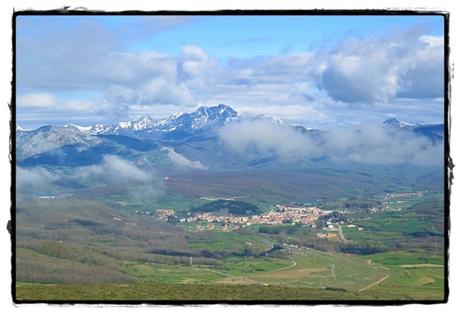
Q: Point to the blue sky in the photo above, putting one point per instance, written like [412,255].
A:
[320,71]
[235,36]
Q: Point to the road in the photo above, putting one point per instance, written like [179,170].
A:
[285,268]
[341,236]
[221,273]
[228,275]
[374,283]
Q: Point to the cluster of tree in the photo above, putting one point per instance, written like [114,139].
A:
[36,267]
[364,204]
[361,248]
[280,229]
[205,254]
[230,206]
[333,217]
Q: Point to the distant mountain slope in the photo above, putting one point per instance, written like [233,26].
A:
[68,146]
[433,131]
[47,138]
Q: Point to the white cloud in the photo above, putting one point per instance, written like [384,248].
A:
[264,137]
[366,144]
[359,79]
[181,160]
[193,53]
[433,41]
[36,177]
[422,74]
[116,169]
[78,105]
[162,91]
[195,65]
[136,67]
[375,144]
[137,182]
[37,100]
[370,70]
[285,112]
[35,106]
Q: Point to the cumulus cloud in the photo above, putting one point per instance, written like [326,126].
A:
[367,144]
[423,75]
[162,91]
[181,160]
[355,79]
[193,62]
[378,69]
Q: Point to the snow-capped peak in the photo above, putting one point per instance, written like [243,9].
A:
[397,123]
[97,129]
[144,122]
[139,124]
[203,117]
[84,129]
[167,120]
[272,119]
[19,128]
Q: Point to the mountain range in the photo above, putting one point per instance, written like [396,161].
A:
[176,126]
[187,136]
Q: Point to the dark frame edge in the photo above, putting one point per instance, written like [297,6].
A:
[12,147]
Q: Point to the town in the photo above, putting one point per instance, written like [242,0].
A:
[281,214]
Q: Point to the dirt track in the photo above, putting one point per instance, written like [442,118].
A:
[374,283]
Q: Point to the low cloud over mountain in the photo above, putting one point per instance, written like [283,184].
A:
[219,136]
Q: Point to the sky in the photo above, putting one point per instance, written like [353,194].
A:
[318,71]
